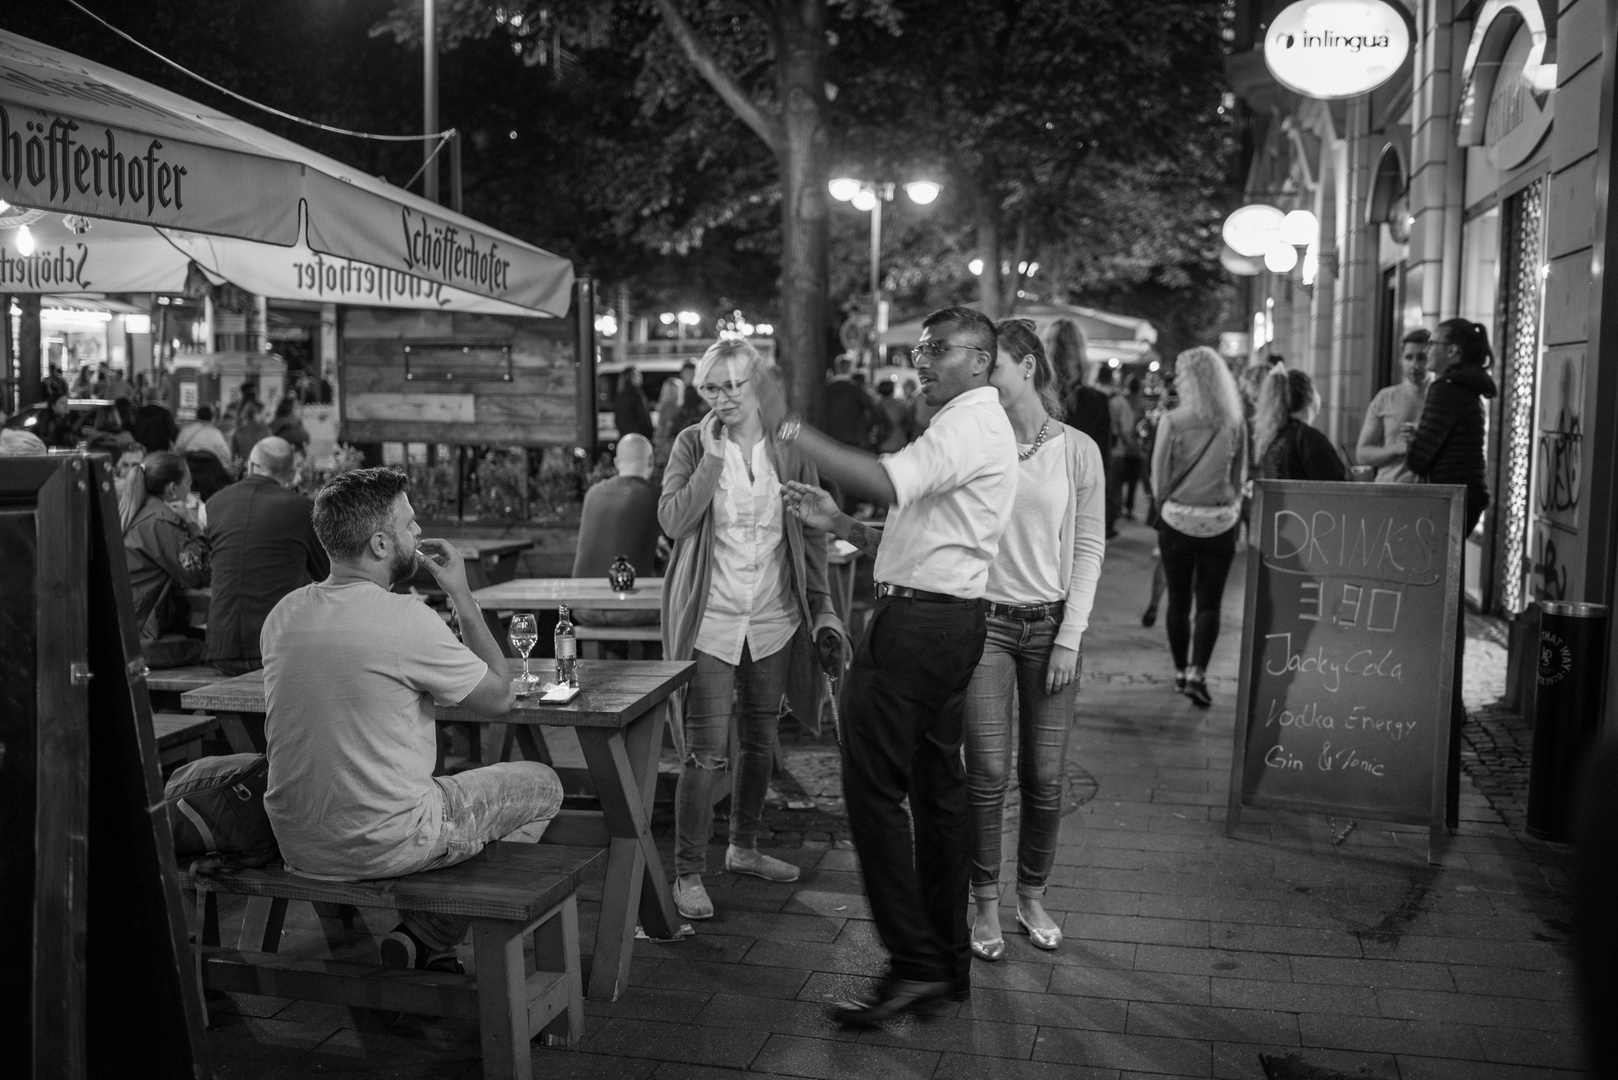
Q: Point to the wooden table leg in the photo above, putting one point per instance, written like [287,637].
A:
[235,728]
[623,765]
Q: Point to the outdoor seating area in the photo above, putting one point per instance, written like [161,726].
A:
[808,540]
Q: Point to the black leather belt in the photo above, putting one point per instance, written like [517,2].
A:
[1027,612]
[900,592]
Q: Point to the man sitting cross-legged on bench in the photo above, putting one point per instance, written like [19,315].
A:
[351,674]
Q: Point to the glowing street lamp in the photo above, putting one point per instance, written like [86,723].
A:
[868,198]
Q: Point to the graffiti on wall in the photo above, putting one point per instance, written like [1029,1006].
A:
[1557,469]
[1559,441]
[1549,575]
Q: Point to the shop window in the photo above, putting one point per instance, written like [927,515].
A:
[1518,349]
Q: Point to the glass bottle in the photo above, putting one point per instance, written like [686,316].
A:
[567,650]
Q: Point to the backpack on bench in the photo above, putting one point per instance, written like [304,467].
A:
[216,810]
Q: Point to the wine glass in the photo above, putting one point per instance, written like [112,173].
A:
[524,635]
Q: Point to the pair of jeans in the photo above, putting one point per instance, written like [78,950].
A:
[904,705]
[1015,655]
[1194,566]
[710,706]
[514,800]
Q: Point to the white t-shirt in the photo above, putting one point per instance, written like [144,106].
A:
[351,673]
[1028,569]
[955,487]
[1393,406]
[747,594]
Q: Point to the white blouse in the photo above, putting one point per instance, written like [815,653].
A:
[748,597]
[1028,569]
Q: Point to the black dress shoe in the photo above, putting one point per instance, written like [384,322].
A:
[895,996]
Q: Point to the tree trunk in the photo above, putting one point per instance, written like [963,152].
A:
[30,368]
[803,161]
[798,138]
[990,282]
[1015,279]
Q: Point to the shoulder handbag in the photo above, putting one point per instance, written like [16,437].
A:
[1156,513]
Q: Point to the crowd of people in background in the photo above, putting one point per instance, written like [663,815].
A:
[1000,479]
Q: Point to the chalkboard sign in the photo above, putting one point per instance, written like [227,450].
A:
[95,972]
[1348,650]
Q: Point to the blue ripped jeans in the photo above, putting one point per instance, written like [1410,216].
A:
[514,800]
[1015,656]
[710,705]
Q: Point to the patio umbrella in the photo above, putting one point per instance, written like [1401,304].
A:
[1106,334]
[99,256]
[80,138]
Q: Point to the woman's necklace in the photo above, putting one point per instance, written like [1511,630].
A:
[1039,440]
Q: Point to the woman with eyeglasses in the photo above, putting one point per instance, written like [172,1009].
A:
[1041,585]
[745,596]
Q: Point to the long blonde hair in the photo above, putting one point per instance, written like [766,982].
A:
[1067,351]
[1206,388]
[1283,393]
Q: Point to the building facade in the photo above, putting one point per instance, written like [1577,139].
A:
[1475,183]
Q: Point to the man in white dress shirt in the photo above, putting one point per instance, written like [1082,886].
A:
[952,492]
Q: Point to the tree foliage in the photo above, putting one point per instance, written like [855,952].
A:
[1083,135]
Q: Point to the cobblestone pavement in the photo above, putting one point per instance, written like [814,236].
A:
[1299,947]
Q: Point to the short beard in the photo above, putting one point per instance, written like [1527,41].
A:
[402,567]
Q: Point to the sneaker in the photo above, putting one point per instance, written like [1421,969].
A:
[402,949]
[692,901]
[1197,690]
[1179,682]
[751,861]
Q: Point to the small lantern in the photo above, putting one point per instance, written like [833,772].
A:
[621,575]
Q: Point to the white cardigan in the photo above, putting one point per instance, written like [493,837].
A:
[1083,539]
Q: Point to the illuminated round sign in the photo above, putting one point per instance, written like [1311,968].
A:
[1336,48]
[1251,229]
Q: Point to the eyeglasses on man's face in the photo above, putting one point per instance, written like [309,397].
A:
[731,390]
[933,351]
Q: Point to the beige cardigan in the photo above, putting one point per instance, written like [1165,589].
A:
[685,512]
[1086,514]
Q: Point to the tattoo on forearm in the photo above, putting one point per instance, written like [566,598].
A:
[865,538]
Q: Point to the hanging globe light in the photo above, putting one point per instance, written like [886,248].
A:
[1250,229]
[1280,257]
[1300,228]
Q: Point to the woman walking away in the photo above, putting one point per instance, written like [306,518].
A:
[1199,465]
[1285,446]
[1040,590]
[745,596]
[1446,447]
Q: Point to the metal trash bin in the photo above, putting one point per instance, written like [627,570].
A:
[1567,710]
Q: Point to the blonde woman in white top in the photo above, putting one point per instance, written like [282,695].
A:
[744,593]
[1041,586]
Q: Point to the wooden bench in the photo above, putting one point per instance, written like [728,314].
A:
[509,890]
[590,636]
[179,735]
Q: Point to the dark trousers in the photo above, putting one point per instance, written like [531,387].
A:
[1194,567]
[1130,473]
[903,725]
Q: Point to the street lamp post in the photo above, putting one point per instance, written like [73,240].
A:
[429,97]
[870,197]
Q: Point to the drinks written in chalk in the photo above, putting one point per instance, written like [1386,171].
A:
[1351,594]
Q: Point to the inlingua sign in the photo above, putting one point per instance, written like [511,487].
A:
[1336,48]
